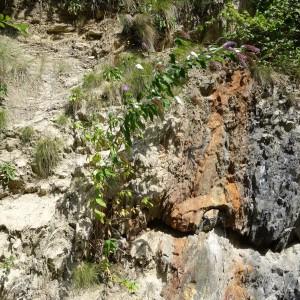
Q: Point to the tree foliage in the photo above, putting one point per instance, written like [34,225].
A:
[275,28]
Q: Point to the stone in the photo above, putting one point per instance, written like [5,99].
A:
[94,35]
[11,144]
[4,244]
[209,220]
[44,189]
[27,211]
[60,29]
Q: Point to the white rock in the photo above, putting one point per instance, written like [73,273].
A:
[27,211]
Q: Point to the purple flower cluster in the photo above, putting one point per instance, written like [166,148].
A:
[251,48]
[242,57]
[125,88]
[230,45]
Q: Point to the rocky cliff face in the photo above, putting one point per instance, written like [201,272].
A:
[229,160]
[222,168]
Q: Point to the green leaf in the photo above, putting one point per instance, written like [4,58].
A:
[100,201]
[100,215]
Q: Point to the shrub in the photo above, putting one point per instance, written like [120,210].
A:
[274,28]
[46,156]
[7,172]
[86,275]
[3,119]
[27,134]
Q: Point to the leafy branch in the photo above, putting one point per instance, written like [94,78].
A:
[6,21]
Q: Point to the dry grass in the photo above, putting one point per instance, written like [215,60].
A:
[3,119]
[46,156]
[26,134]
[85,275]
[13,62]
[139,30]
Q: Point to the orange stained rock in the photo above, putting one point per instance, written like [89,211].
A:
[236,289]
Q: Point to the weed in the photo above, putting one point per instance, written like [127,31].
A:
[3,91]
[91,80]
[138,77]
[46,156]
[112,74]
[184,48]
[7,263]
[3,119]
[86,275]
[110,247]
[26,134]
[6,21]
[76,98]
[7,173]
[130,285]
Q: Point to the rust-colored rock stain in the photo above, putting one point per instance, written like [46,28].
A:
[214,188]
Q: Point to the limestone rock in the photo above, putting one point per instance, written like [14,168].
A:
[94,35]
[60,28]
[27,211]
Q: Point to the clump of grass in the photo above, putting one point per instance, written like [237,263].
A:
[91,80]
[26,134]
[62,120]
[3,119]
[139,30]
[46,156]
[86,275]
[262,73]
[13,62]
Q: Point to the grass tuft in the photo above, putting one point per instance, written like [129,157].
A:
[3,119]
[262,73]
[86,275]
[62,120]
[46,156]
[139,30]
[13,62]
[26,134]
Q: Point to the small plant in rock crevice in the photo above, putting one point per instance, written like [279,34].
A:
[46,156]
[76,99]
[86,275]
[62,120]
[7,173]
